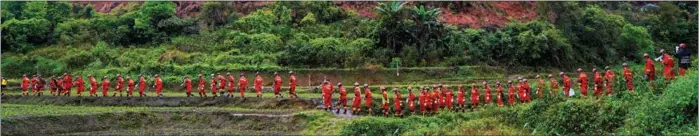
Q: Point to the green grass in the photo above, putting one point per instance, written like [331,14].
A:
[12,110]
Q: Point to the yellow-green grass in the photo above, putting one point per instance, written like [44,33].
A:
[12,110]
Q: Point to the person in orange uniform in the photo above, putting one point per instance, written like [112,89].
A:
[439,100]
[158,85]
[527,90]
[428,99]
[650,68]
[436,99]
[202,85]
[474,96]
[93,85]
[343,98]
[499,93]
[292,85]
[67,84]
[397,104]
[521,93]
[258,84]
[367,99]
[242,84]
[442,96]
[567,84]
[384,101]
[40,83]
[449,97]
[33,84]
[608,80]
[80,84]
[221,83]
[669,64]
[357,102]
[628,77]
[277,84]
[119,85]
[598,82]
[141,85]
[422,100]
[540,85]
[187,84]
[25,85]
[105,86]
[460,98]
[511,93]
[52,85]
[130,86]
[487,92]
[326,93]
[231,84]
[214,85]
[582,82]
[411,100]
[553,85]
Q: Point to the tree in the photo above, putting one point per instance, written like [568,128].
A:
[634,41]
[428,27]
[390,16]
[212,14]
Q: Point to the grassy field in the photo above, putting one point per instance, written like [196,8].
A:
[13,110]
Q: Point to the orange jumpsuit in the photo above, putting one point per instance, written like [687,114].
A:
[527,91]
[367,98]
[499,98]
[25,86]
[277,84]
[487,94]
[628,76]
[231,84]
[411,101]
[52,86]
[384,103]
[34,85]
[214,86]
[650,69]
[222,82]
[460,97]
[158,86]
[522,93]
[80,84]
[119,84]
[540,84]
[105,87]
[292,84]
[129,89]
[343,96]
[423,101]
[566,85]
[327,94]
[449,99]
[93,86]
[187,84]
[397,103]
[511,94]
[554,87]
[474,96]
[609,80]
[669,64]
[439,100]
[242,84]
[428,100]
[202,84]
[67,84]
[258,85]
[598,85]
[436,101]
[141,86]
[357,102]
[582,80]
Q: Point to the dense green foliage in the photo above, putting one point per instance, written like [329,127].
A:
[147,37]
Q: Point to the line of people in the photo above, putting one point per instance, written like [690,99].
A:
[62,86]
[220,82]
[442,97]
